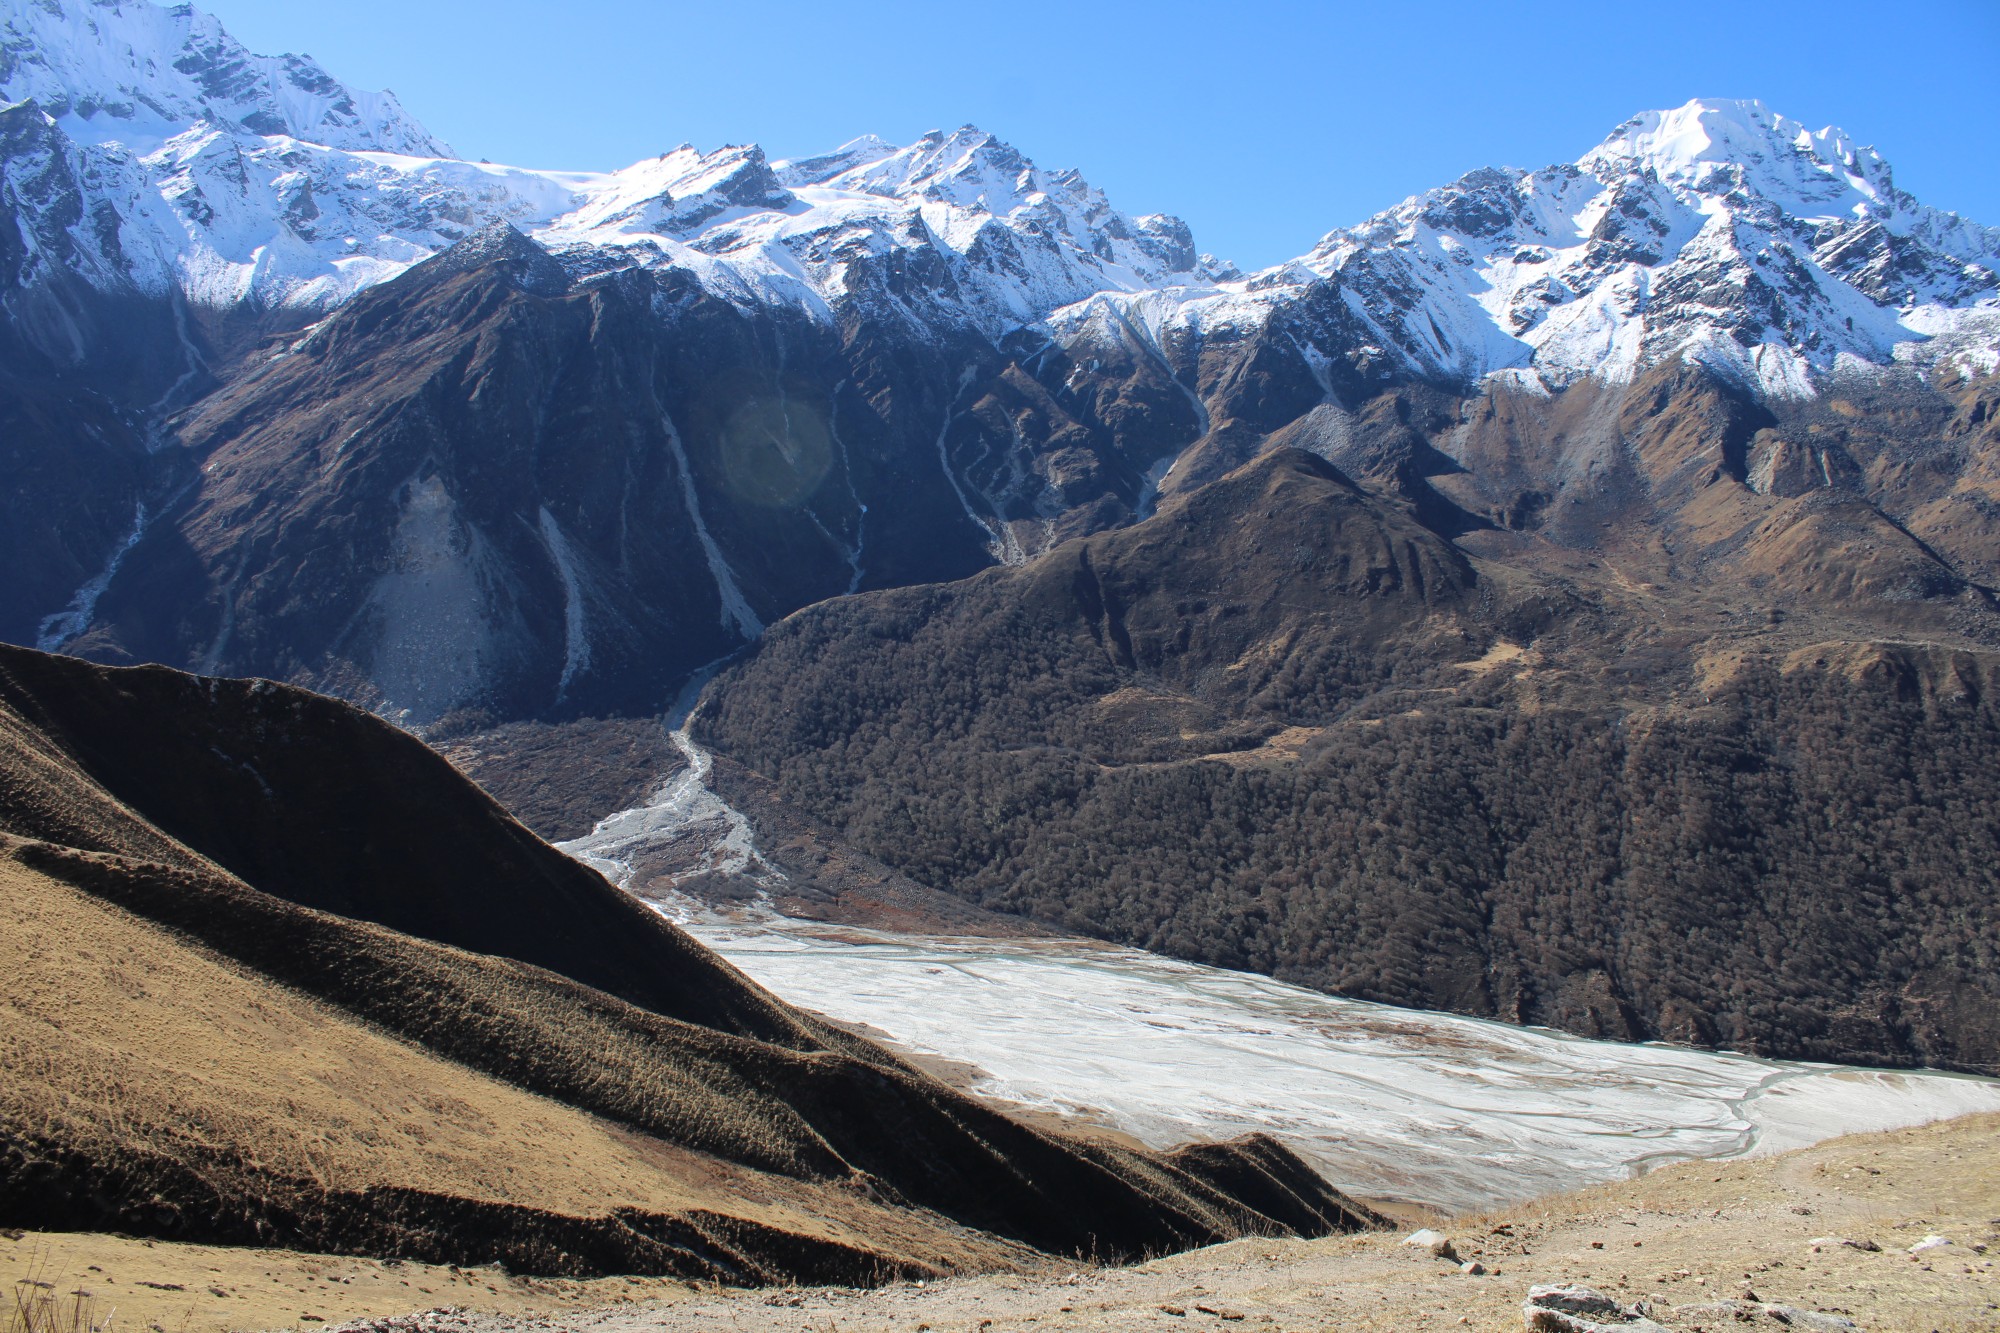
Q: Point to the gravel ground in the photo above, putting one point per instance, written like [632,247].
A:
[1703,1245]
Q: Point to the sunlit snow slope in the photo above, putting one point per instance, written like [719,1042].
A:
[189,164]
[1718,231]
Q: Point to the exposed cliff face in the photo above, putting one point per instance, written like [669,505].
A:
[377,508]
[485,486]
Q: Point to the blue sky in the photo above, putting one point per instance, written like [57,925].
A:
[1262,122]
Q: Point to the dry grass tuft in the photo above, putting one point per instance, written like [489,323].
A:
[42,1305]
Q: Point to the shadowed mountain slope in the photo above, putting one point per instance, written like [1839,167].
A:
[244,1008]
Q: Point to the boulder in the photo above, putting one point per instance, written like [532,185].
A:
[1436,1242]
[1575,1309]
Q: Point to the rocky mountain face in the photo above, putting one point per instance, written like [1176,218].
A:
[304,395]
[489,486]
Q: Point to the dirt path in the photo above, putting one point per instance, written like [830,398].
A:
[1684,1236]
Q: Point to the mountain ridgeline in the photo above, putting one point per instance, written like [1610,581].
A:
[303,395]
[1568,595]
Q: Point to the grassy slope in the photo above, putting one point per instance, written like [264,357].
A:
[122,1042]
[192,1055]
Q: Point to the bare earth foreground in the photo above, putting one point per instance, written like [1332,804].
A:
[1688,1239]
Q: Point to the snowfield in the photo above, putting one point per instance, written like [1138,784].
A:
[1453,1112]
[1718,231]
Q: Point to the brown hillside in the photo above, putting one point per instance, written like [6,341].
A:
[197,1047]
[1283,727]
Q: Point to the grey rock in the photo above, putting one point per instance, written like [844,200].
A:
[1436,1242]
[1793,1317]
[1577,1309]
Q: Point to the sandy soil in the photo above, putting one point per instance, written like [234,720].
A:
[148,1285]
[1684,1237]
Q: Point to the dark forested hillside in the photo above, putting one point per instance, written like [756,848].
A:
[1282,727]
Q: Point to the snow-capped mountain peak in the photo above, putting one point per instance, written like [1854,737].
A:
[1715,146]
[234,177]
[678,192]
[1718,231]
[850,156]
[966,167]
[972,170]
[135,72]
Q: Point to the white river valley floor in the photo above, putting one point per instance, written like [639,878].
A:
[1435,1109]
